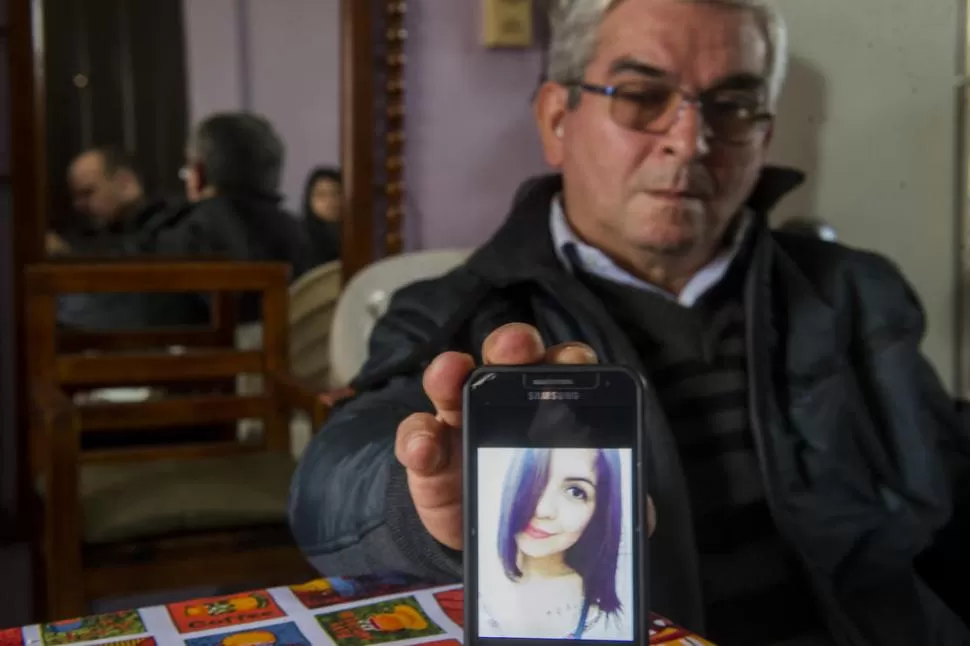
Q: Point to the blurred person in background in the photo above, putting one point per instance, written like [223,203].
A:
[232,175]
[108,194]
[323,213]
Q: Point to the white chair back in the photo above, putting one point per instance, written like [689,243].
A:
[365,298]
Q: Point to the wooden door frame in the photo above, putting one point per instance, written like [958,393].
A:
[373,62]
[28,176]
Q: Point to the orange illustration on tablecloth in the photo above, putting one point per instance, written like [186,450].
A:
[224,612]
[376,623]
[287,634]
[452,602]
[321,593]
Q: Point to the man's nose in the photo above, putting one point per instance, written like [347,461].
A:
[687,137]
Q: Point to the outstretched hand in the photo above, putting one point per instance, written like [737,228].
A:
[429,446]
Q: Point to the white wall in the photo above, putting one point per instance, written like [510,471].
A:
[870,112]
[279,58]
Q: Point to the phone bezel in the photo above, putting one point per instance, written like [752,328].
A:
[641,622]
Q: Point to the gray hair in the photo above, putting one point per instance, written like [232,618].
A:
[574,24]
[241,152]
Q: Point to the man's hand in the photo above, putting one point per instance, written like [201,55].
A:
[429,446]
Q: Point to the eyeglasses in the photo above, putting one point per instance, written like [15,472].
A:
[731,116]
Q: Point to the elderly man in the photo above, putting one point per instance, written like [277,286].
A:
[802,468]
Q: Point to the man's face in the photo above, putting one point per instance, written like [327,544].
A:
[674,192]
[96,194]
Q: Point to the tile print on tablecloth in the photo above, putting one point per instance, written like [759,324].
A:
[287,634]
[137,641]
[11,637]
[452,603]
[379,623]
[322,593]
[224,612]
[97,627]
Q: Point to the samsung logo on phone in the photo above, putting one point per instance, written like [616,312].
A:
[546,395]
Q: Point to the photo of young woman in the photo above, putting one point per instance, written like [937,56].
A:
[554,543]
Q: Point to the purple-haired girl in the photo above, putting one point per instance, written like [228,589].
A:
[558,546]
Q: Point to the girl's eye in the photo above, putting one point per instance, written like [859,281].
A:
[577,493]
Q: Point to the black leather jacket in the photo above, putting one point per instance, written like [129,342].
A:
[859,442]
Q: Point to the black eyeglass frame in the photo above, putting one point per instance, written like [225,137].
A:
[614,92]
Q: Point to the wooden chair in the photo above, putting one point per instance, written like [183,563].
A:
[313,298]
[132,519]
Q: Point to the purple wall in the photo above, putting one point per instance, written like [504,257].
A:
[280,58]
[471,136]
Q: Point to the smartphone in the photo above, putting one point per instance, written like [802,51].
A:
[555,506]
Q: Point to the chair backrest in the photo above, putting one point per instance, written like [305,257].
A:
[365,299]
[313,299]
[206,359]
[313,302]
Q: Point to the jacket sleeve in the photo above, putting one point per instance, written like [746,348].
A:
[350,508]
[924,451]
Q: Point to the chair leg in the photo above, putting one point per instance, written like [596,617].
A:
[64,594]
[64,574]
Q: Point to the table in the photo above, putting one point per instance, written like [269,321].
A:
[347,612]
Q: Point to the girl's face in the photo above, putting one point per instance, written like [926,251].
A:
[325,200]
[565,506]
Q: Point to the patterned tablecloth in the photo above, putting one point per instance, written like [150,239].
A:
[345,612]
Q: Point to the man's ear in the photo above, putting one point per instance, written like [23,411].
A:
[551,108]
[200,175]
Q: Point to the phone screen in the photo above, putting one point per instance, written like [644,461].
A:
[553,548]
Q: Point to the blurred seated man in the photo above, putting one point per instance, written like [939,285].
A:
[108,193]
[232,176]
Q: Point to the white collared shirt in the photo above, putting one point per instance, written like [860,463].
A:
[597,263]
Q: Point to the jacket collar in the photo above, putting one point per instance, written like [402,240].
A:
[522,248]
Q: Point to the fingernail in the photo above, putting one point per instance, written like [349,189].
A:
[581,353]
[496,337]
[416,443]
[587,353]
[424,443]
